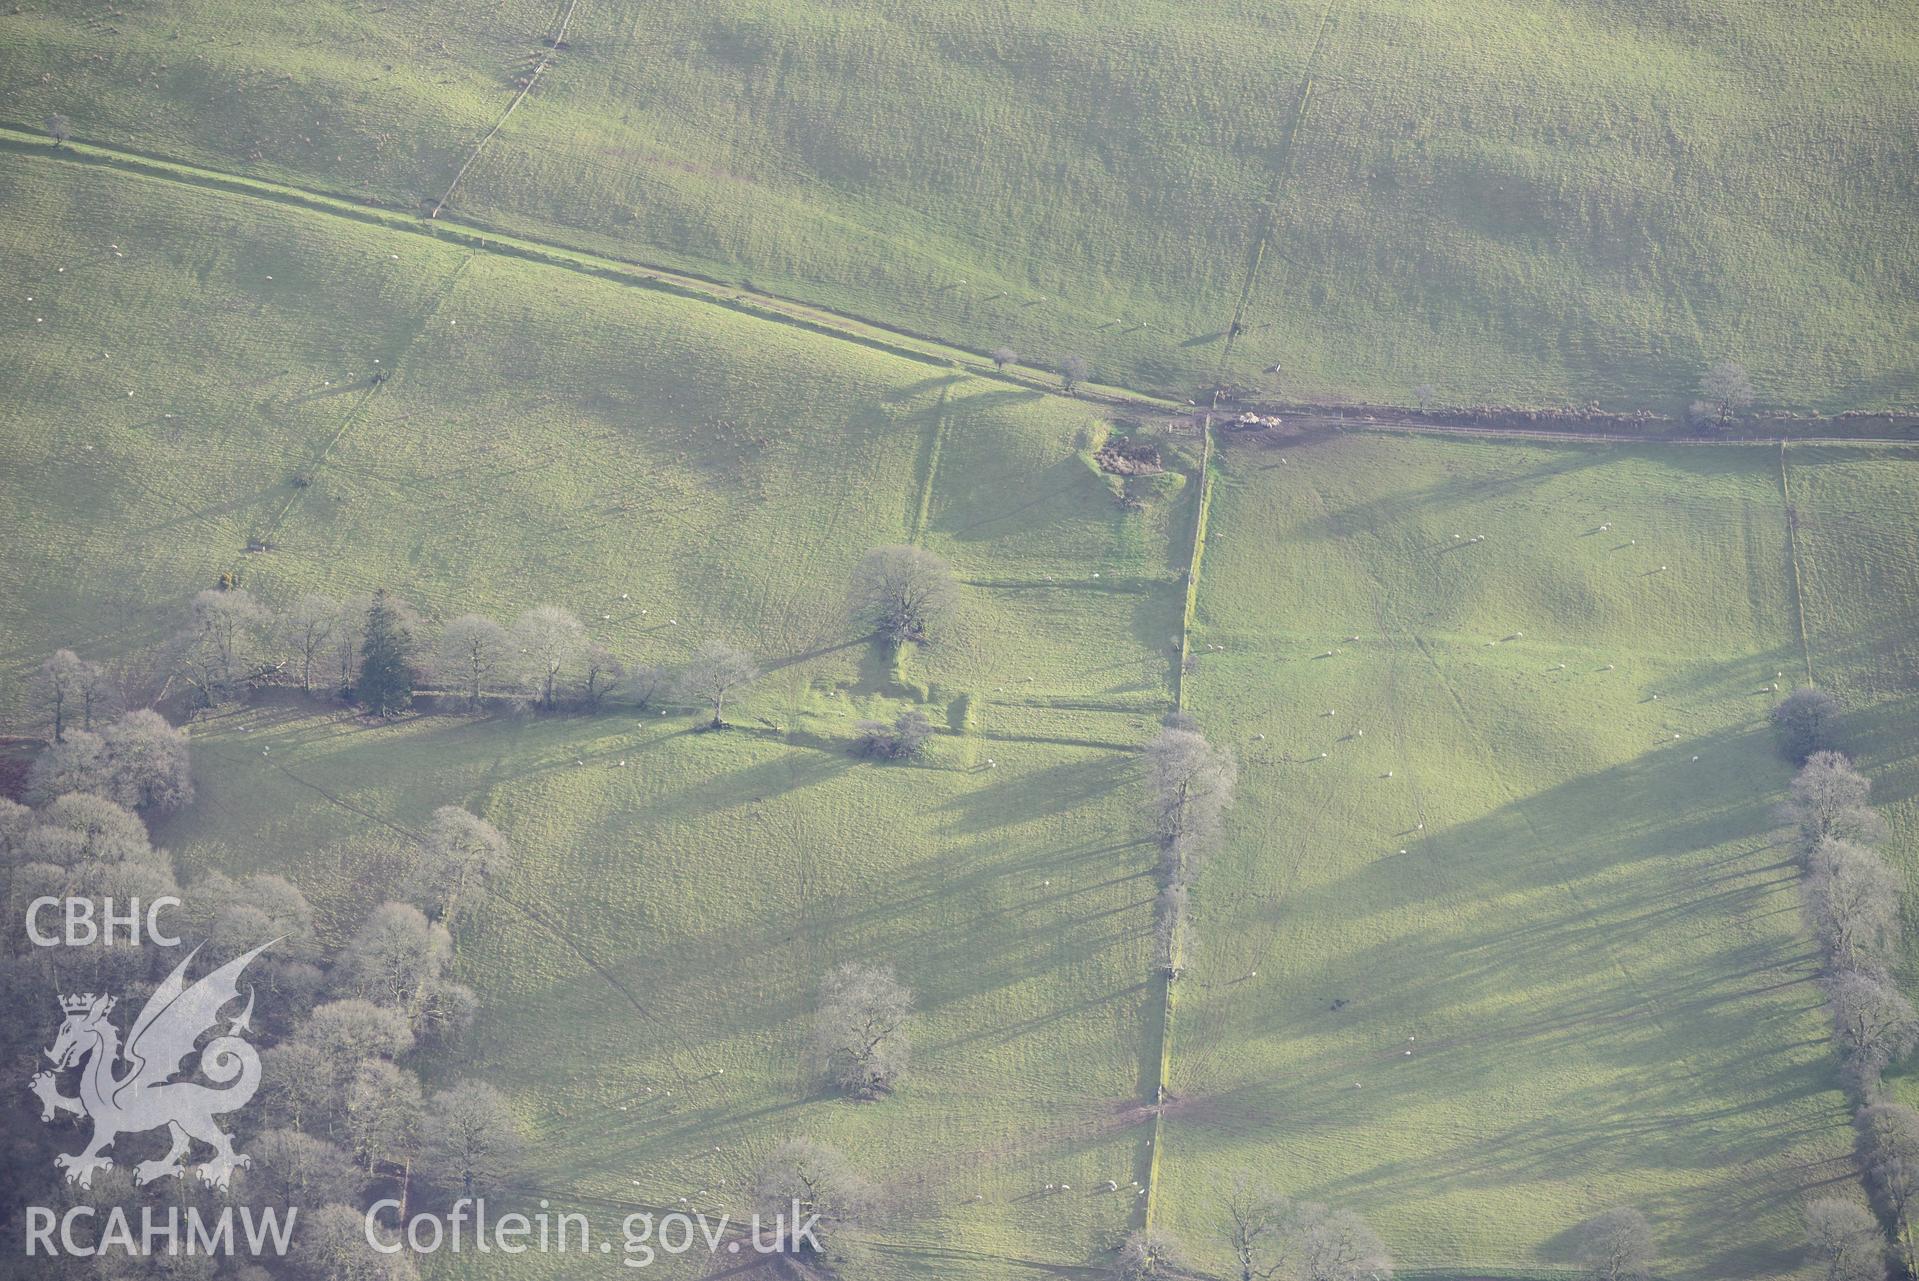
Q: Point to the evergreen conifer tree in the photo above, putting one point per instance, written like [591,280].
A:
[386,675]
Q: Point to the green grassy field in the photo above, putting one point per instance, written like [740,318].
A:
[1564,897]
[1539,202]
[1593,937]
[679,894]
[1857,561]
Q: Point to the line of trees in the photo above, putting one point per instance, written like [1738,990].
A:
[1190,787]
[138,761]
[375,651]
[1851,902]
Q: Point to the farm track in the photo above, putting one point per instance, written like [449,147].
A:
[1408,425]
[920,348]
[20,139]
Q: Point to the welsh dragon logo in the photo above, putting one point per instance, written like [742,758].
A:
[141,1097]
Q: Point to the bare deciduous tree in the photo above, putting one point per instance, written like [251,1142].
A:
[904,593]
[1424,394]
[294,1169]
[461,853]
[1830,799]
[347,1031]
[1846,1240]
[75,763]
[1616,1245]
[475,650]
[648,681]
[712,675]
[296,1082]
[1335,1245]
[308,626]
[1873,1021]
[70,688]
[549,639]
[470,1141]
[1191,784]
[1726,389]
[58,128]
[859,1032]
[348,635]
[1804,722]
[333,1245]
[395,959]
[225,636]
[600,673]
[820,1182]
[81,828]
[1003,356]
[1256,1231]
[1073,371]
[1147,1254]
[381,1112]
[139,761]
[1889,1154]
[1852,902]
[150,764]
[237,915]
